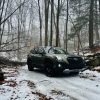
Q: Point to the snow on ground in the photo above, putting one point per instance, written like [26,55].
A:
[21,84]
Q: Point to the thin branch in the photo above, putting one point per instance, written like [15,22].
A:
[10,50]
[13,12]
[76,32]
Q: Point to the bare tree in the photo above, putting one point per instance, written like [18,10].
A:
[51,26]
[91,24]
[57,28]
[78,48]
[2,4]
[66,30]
[96,20]
[99,5]
[40,20]
[46,20]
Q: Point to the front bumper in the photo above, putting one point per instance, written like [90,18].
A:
[78,70]
[61,66]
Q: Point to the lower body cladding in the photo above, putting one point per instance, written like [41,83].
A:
[74,67]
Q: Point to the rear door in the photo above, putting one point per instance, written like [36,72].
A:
[40,56]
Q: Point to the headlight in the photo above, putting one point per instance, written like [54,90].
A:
[59,58]
[59,65]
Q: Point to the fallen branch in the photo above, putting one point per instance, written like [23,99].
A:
[6,61]
[10,50]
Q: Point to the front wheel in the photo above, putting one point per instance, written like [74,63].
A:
[30,66]
[49,69]
[49,72]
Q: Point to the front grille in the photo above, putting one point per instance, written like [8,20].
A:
[75,62]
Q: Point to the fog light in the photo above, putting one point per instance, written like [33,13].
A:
[59,65]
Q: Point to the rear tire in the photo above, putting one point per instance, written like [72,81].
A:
[30,66]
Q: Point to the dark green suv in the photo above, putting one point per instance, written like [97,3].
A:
[53,60]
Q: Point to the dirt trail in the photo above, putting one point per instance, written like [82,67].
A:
[73,86]
[21,84]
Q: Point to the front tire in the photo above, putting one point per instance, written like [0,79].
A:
[30,66]
[49,72]
[49,69]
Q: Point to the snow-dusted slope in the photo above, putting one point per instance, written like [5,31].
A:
[85,86]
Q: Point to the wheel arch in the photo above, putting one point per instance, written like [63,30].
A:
[48,60]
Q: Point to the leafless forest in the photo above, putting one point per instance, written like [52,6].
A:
[70,24]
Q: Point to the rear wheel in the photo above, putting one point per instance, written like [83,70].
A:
[30,65]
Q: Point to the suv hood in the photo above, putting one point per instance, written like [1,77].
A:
[63,57]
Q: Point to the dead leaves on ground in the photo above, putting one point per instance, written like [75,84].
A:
[31,84]
[42,96]
[10,83]
[57,92]
[10,72]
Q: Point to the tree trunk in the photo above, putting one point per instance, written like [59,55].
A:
[99,15]
[99,5]
[46,20]
[0,23]
[19,33]
[18,54]
[96,21]
[66,32]
[1,13]
[2,32]
[40,19]
[51,27]
[78,48]
[57,30]
[91,24]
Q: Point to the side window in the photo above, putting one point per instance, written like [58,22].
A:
[41,51]
[51,51]
[34,51]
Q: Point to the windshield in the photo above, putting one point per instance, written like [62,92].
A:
[56,51]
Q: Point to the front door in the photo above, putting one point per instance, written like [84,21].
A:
[40,57]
